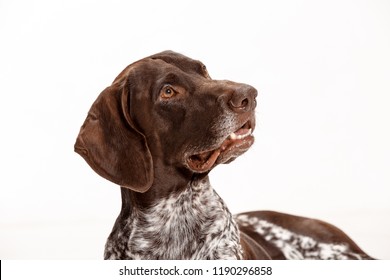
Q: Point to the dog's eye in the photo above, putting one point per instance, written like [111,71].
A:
[167,92]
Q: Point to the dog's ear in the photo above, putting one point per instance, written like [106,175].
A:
[111,144]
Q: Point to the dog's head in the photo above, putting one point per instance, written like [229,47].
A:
[165,110]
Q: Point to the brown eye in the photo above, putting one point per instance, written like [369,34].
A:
[167,92]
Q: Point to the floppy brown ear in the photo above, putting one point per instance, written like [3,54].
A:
[110,143]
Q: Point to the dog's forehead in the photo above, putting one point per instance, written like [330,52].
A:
[182,62]
[162,63]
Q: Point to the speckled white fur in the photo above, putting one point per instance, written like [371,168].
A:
[296,246]
[193,224]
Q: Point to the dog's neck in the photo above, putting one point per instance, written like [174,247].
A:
[193,223]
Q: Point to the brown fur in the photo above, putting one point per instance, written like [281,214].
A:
[157,131]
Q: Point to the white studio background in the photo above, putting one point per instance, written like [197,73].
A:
[322,149]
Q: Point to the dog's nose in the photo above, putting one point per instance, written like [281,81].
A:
[243,99]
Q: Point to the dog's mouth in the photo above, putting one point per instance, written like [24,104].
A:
[234,145]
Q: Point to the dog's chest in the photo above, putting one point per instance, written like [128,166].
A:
[194,224]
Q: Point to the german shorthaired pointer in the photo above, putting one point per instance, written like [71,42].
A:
[157,131]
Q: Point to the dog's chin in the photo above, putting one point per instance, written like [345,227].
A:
[231,147]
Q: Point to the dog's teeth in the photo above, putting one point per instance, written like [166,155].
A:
[234,136]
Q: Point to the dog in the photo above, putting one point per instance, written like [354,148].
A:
[157,131]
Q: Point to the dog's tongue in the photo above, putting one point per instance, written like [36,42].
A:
[204,161]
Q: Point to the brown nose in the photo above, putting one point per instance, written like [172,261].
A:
[243,99]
